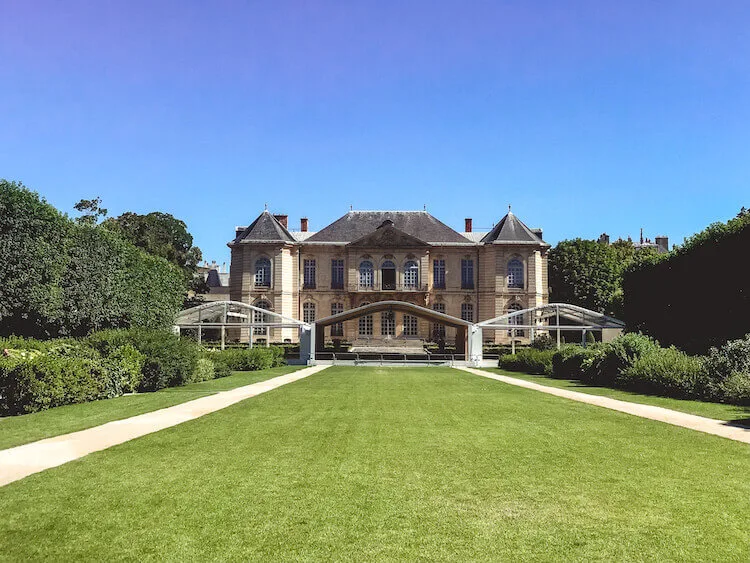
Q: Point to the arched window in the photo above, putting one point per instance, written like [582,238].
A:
[388,275]
[467,312]
[366,275]
[337,329]
[365,324]
[515,273]
[259,317]
[517,320]
[411,275]
[308,312]
[263,272]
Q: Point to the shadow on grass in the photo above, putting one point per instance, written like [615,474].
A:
[740,422]
[740,417]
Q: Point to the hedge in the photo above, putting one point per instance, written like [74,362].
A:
[528,360]
[660,298]
[636,362]
[249,359]
[61,278]
[37,375]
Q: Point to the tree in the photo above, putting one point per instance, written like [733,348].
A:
[589,273]
[91,211]
[160,234]
[64,277]
[696,296]
[32,235]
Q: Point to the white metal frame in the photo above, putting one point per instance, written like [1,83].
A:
[589,321]
[233,314]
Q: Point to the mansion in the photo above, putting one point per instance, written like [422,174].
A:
[369,256]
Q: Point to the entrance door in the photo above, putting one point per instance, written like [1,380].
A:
[388,276]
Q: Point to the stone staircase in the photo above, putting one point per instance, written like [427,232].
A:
[386,345]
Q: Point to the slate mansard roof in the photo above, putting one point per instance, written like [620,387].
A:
[417,226]
[420,224]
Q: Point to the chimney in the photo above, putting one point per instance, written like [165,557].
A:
[604,238]
[283,219]
[641,235]
[663,243]
[467,225]
[238,231]
[303,224]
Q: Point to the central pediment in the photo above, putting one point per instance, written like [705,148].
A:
[388,236]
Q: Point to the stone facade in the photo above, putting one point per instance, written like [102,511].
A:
[414,258]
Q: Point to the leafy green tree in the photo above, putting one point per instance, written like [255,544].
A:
[590,273]
[64,277]
[160,234]
[91,211]
[32,236]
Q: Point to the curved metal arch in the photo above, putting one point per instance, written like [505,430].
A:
[235,309]
[587,317]
[401,306]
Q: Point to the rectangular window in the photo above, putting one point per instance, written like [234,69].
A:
[467,312]
[258,318]
[438,274]
[308,312]
[337,329]
[387,323]
[365,325]
[309,273]
[438,329]
[410,325]
[467,273]
[337,274]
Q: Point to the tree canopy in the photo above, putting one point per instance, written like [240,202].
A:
[63,277]
[590,273]
[159,234]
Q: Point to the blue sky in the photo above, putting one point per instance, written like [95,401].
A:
[585,116]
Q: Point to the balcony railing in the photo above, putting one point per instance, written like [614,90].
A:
[391,287]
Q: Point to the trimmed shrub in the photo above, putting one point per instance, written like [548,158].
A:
[249,359]
[727,370]
[571,361]
[736,389]
[204,370]
[665,371]
[528,360]
[610,360]
[125,365]
[543,342]
[169,360]
[45,381]
[220,369]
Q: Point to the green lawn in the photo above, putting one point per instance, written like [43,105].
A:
[718,411]
[17,430]
[401,463]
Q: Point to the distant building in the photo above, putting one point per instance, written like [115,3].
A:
[660,243]
[217,280]
[369,256]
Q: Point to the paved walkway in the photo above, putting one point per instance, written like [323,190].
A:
[21,461]
[694,422]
